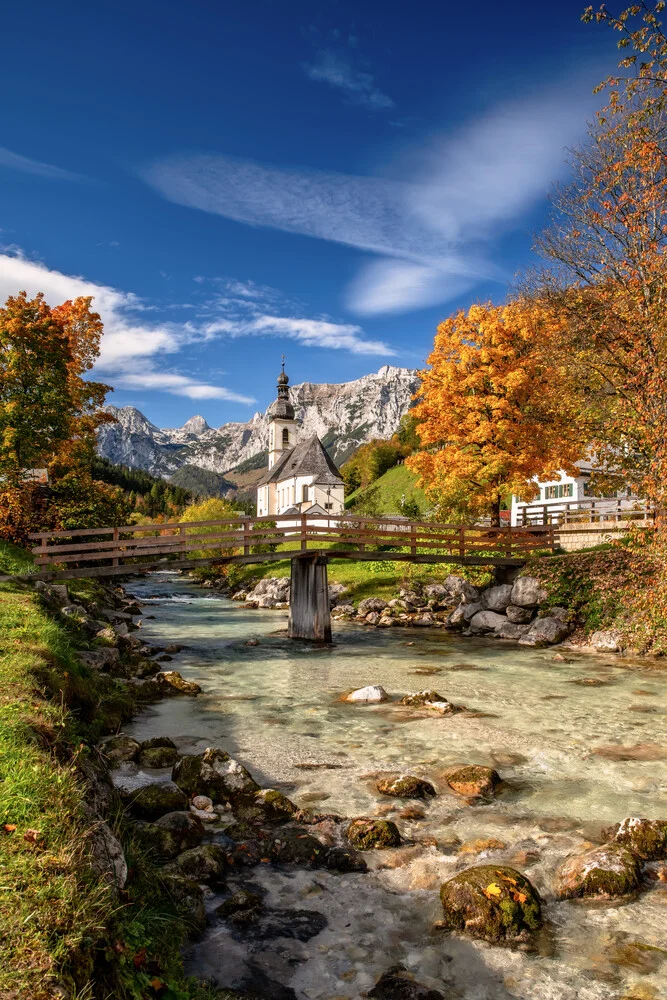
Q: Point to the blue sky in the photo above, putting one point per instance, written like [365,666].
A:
[234,181]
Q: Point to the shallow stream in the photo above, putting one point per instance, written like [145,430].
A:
[575,757]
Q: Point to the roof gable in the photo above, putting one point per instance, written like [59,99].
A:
[308,458]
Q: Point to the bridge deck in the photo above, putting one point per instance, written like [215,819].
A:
[131,549]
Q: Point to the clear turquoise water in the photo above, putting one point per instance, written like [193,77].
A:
[277,705]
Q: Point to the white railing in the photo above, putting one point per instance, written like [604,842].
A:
[584,511]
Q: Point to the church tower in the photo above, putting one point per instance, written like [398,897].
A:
[282,425]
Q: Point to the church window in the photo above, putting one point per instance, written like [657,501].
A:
[285,436]
[304,492]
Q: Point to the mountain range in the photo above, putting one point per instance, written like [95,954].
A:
[343,415]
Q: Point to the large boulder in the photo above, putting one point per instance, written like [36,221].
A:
[527,592]
[646,838]
[158,757]
[207,863]
[368,695]
[608,871]
[344,859]
[518,615]
[508,630]
[106,855]
[371,604]
[545,632]
[487,621]
[473,780]
[493,903]
[366,834]
[186,830]
[267,806]
[216,774]
[188,897]
[396,985]
[497,598]
[406,786]
[605,642]
[120,749]
[103,658]
[172,683]
[153,801]
[458,587]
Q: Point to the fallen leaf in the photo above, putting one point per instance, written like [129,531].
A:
[157,983]
[9,827]
[32,836]
[140,958]
[493,890]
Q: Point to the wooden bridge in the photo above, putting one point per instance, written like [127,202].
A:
[309,542]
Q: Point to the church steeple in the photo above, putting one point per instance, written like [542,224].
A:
[282,426]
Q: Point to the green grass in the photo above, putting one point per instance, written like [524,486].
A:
[59,923]
[14,560]
[391,487]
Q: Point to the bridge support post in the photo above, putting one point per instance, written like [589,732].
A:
[309,616]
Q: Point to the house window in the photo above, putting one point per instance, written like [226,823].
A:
[304,493]
[561,490]
[285,436]
[328,506]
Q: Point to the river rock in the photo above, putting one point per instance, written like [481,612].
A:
[121,748]
[420,698]
[605,642]
[527,592]
[473,780]
[241,901]
[158,757]
[508,630]
[371,604]
[607,871]
[153,801]
[435,591]
[344,859]
[373,618]
[208,863]
[267,806]
[497,598]
[186,830]
[172,682]
[294,845]
[373,833]
[368,695]
[406,786]
[518,615]
[160,844]
[215,774]
[486,621]
[100,659]
[188,896]
[396,985]
[107,858]
[157,741]
[646,838]
[493,903]
[545,632]
[458,587]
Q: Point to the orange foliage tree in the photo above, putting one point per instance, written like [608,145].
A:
[494,412]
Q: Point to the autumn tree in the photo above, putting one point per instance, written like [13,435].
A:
[494,413]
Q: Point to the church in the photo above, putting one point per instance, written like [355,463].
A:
[301,476]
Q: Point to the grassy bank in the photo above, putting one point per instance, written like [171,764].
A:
[386,493]
[65,931]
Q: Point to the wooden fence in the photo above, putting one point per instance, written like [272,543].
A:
[136,548]
[584,511]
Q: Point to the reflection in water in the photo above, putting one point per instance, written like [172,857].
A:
[276,707]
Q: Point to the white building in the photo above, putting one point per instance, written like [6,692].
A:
[302,476]
[566,492]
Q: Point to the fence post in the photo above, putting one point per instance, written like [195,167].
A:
[114,561]
[304,532]
[462,541]
[508,544]
[181,540]
[413,539]
[362,527]
[246,536]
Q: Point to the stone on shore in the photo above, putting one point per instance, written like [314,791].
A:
[473,780]
[184,827]
[545,632]
[157,741]
[487,621]
[605,872]
[518,615]
[267,806]
[207,863]
[106,855]
[366,834]
[120,749]
[605,642]
[104,658]
[172,682]
[215,774]
[497,598]
[406,786]
[646,838]
[508,630]
[395,985]
[158,757]
[188,896]
[527,592]
[373,694]
[493,903]
[152,801]
[371,604]
[458,587]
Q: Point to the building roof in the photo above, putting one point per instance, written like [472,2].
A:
[308,458]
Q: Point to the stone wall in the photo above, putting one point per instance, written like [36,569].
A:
[574,537]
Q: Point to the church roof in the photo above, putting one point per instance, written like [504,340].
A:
[308,458]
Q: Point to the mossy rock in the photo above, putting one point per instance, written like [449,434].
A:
[344,859]
[605,872]
[216,774]
[646,838]
[157,741]
[158,757]
[240,901]
[188,897]
[160,844]
[473,780]
[406,786]
[266,806]
[207,863]
[153,801]
[493,903]
[120,749]
[396,985]
[421,698]
[185,828]
[293,846]
[368,834]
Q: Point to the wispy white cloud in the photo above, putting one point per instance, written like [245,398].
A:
[309,332]
[432,224]
[340,69]
[14,161]
[178,385]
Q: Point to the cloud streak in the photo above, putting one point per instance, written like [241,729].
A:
[14,161]
[431,226]
[336,68]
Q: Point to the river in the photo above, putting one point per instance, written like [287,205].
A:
[276,706]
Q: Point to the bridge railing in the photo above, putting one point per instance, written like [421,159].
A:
[129,548]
